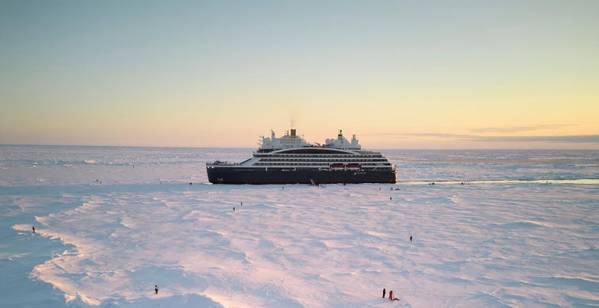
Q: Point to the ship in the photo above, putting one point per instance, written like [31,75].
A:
[291,160]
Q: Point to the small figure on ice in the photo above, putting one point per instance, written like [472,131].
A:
[33,229]
[156,289]
[391,297]
[384,291]
[410,238]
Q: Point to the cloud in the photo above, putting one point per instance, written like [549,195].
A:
[438,135]
[594,139]
[518,129]
[549,139]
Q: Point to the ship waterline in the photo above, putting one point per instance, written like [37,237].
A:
[291,160]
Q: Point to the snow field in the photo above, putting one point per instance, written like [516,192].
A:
[333,246]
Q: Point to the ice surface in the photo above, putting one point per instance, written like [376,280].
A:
[505,238]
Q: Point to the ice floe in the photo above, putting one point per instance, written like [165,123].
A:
[497,240]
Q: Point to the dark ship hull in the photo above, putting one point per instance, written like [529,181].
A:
[253,175]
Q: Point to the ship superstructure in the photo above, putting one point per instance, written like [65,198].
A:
[290,160]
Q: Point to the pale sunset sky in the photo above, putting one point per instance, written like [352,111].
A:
[399,74]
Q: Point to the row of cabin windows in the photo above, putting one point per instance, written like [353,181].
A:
[317,155]
[325,160]
[314,164]
[319,163]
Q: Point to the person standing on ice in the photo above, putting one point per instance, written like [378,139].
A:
[33,229]
[384,291]
[391,296]
[156,289]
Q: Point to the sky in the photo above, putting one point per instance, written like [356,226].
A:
[399,74]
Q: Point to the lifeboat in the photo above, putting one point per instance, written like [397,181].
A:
[353,166]
[337,166]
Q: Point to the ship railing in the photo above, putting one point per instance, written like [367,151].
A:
[260,154]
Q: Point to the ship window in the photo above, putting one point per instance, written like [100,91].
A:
[311,151]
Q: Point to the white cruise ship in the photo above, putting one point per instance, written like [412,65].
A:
[291,160]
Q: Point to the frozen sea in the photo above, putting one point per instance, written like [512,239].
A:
[112,222]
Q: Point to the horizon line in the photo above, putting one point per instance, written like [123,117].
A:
[229,147]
